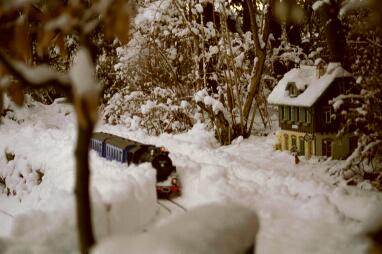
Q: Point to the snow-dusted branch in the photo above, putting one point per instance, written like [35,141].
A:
[40,76]
[255,28]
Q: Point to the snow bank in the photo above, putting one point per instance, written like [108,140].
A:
[301,208]
[40,217]
[209,229]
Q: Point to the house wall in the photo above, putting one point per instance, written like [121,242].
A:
[292,118]
[322,106]
[286,142]
[340,147]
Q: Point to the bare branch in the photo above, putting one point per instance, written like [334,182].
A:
[255,29]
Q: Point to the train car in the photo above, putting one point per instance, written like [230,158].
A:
[97,142]
[128,151]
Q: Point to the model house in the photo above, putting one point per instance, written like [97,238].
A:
[306,118]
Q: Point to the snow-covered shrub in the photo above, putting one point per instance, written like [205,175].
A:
[18,176]
[156,112]
[175,49]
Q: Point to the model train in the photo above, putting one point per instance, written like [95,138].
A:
[128,151]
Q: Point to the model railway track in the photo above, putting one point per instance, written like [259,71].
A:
[177,204]
[6,213]
[171,206]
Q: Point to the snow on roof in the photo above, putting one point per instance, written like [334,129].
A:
[306,76]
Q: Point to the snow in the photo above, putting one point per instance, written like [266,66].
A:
[306,76]
[62,22]
[217,106]
[41,214]
[82,73]
[199,8]
[350,5]
[152,13]
[319,3]
[40,74]
[300,208]
[224,228]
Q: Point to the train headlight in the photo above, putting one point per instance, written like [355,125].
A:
[174,181]
[163,149]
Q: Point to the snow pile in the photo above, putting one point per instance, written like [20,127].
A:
[41,218]
[209,229]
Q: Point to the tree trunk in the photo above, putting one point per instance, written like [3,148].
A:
[84,215]
[255,83]
[335,36]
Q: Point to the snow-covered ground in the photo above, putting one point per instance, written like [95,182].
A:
[301,208]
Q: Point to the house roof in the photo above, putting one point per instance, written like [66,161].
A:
[306,76]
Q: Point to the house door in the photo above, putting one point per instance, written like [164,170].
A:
[327,147]
[309,149]
[302,146]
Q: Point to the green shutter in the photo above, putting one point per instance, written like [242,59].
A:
[309,116]
[281,113]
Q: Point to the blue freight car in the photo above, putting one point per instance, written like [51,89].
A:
[97,142]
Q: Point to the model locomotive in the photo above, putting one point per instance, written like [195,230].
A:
[128,151]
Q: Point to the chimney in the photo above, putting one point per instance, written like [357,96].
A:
[320,67]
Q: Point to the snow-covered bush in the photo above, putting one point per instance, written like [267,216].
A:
[156,112]
[17,175]
[173,48]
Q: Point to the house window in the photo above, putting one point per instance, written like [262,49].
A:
[287,113]
[293,91]
[302,146]
[327,147]
[292,113]
[302,114]
[286,142]
[327,114]
[291,86]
